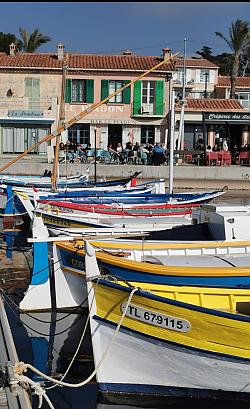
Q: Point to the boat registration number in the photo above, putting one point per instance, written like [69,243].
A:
[155,318]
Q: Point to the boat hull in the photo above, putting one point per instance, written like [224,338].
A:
[156,368]
[153,357]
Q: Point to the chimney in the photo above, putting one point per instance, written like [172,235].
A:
[60,52]
[166,53]
[12,48]
[126,52]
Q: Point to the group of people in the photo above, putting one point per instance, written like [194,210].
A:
[73,152]
[235,150]
[147,154]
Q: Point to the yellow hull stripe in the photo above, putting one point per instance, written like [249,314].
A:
[208,332]
[163,270]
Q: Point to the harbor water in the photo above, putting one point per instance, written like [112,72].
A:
[51,340]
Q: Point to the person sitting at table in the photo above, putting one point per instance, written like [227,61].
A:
[158,157]
[120,153]
[209,149]
[113,153]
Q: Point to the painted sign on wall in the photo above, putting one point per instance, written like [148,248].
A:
[25,113]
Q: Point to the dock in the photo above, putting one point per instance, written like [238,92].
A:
[12,396]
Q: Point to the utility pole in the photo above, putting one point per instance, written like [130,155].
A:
[171,147]
[95,154]
[181,130]
[60,123]
[206,81]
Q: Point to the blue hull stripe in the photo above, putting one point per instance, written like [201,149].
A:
[71,259]
[40,273]
[157,391]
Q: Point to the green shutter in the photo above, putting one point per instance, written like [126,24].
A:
[159,97]
[68,91]
[137,98]
[105,89]
[126,93]
[90,91]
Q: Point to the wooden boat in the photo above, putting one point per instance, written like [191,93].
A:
[159,347]
[187,267]
[116,210]
[208,264]
[14,207]
[75,181]
[132,199]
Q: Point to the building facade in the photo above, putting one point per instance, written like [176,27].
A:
[40,91]
[31,103]
[209,114]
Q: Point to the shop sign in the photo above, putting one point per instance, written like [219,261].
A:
[226,116]
[25,113]
[113,121]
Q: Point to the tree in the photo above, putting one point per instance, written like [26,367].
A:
[31,42]
[224,61]
[5,40]
[206,52]
[245,61]
[239,37]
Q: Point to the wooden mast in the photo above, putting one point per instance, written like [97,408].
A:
[60,123]
[82,114]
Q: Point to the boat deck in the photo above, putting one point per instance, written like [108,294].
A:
[227,260]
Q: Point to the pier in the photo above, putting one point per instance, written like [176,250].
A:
[11,394]
[185,175]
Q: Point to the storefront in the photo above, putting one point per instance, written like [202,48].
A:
[216,126]
[22,129]
[110,131]
[234,127]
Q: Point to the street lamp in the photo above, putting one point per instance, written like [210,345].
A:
[95,155]
[206,80]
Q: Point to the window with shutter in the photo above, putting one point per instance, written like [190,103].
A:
[79,90]
[68,91]
[104,89]
[137,98]
[126,93]
[89,91]
[159,97]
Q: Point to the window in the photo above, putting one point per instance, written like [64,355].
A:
[148,92]
[147,134]
[180,74]
[78,91]
[203,75]
[244,99]
[79,133]
[113,87]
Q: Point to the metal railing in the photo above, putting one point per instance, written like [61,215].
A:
[146,110]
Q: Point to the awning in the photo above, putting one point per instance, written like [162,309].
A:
[34,121]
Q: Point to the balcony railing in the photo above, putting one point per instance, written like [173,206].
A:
[148,110]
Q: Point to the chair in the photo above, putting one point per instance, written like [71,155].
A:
[90,155]
[212,157]
[188,157]
[243,158]
[225,158]
[142,157]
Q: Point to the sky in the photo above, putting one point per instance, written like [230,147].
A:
[112,27]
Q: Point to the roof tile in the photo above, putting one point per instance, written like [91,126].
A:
[224,81]
[84,61]
[195,62]
[211,104]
